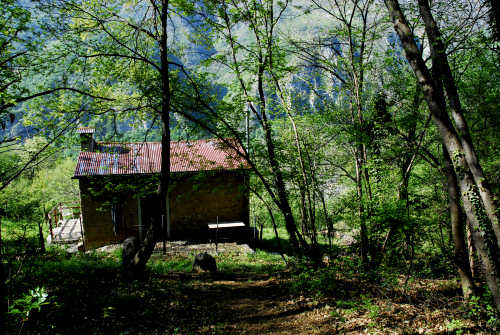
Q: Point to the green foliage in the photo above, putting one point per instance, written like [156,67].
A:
[259,262]
[456,326]
[482,307]
[33,300]
[19,236]
[32,195]
[314,282]
[9,161]
[14,41]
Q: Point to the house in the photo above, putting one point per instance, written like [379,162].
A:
[119,183]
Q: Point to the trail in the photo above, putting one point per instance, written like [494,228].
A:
[257,304]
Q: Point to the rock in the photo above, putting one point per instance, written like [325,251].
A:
[72,249]
[204,262]
[130,247]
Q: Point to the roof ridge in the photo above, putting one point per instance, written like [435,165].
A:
[145,157]
[159,142]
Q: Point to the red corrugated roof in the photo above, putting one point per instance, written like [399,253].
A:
[140,158]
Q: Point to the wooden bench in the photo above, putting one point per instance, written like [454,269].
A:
[223,227]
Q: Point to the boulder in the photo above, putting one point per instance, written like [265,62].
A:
[130,247]
[204,262]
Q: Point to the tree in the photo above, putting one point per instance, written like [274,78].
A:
[346,53]
[133,34]
[23,56]
[17,52]
[457,143]
[259,68]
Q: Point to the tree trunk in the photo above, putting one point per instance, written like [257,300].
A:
[306,196]
[457,228]
[329,224]
[3,296]
[148,244]
[441,60]
[298,243]
[494,14]
[303,211]
[470,248]
[41,240]
[275,227]
[481,228]
[3,289]
[361,212]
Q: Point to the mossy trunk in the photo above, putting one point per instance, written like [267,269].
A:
[440,61]
[460,254]
[482,230]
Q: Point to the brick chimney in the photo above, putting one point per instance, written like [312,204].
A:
[87,141]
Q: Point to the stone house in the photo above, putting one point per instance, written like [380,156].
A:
[118,184]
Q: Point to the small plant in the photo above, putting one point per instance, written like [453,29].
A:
[33,300]
[312,282]
[456,325]
[478,307]
[474,307]
[336,314]
[493,321]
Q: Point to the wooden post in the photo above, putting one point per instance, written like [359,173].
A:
[50,228]
[254,235]
[217,236]
[163,233]
[81,229]
[168,217]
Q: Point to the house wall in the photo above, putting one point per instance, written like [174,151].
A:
[96,215]
[195,200]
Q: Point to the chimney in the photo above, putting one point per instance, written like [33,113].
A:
[86,138]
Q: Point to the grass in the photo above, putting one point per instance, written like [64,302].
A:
[258,262]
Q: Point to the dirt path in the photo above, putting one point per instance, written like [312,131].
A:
[258,304]
[251,304]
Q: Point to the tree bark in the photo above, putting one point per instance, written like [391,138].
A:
[3,289]
[457,227]
[438,52]
[481,227]
[41,240]
[296,239]
[361,212]
[275,227]
[470,248]
[494,14]
[148,244]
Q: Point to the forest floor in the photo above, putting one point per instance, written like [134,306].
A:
[250,294]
